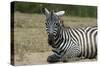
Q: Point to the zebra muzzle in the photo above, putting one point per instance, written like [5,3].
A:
[51,40]
[51,37]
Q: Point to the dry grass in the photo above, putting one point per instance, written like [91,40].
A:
[30,35]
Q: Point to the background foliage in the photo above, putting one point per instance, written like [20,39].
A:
[71,10]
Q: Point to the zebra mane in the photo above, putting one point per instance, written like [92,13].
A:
[62,24]
[52,12]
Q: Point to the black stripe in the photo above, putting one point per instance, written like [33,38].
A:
[95,45]
[64,40]
[91,42]
[82,34]
[68,41]
[68,44]
[80,40]
[59,43]
[58,39]
[73,35]
[67,48]
[87,47]
[56,52]
[87,56]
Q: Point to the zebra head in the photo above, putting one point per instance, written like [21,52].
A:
[53,23]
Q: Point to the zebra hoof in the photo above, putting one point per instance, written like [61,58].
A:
[53,59]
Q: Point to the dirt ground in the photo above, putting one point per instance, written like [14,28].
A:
[41,58]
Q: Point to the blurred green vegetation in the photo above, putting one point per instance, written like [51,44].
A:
[71,10]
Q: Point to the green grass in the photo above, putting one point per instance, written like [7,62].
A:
[30,34]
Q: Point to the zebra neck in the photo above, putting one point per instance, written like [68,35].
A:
[61,39]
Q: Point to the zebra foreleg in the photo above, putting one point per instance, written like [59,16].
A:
[66,59]
[53,58]
[70,56]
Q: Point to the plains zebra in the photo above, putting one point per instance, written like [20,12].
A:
[69,42]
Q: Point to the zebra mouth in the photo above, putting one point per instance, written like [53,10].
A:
[51,43]
[51,40]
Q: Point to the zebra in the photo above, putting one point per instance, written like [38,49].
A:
[69,43]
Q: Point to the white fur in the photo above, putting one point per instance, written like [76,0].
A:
[47,11]
[60,13]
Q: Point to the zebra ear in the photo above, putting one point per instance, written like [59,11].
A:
[60,13]
[45,11]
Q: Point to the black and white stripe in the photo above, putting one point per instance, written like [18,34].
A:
[71,42]
[76,42]
[79,40]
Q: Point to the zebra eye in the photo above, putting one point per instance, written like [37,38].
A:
[56,23]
